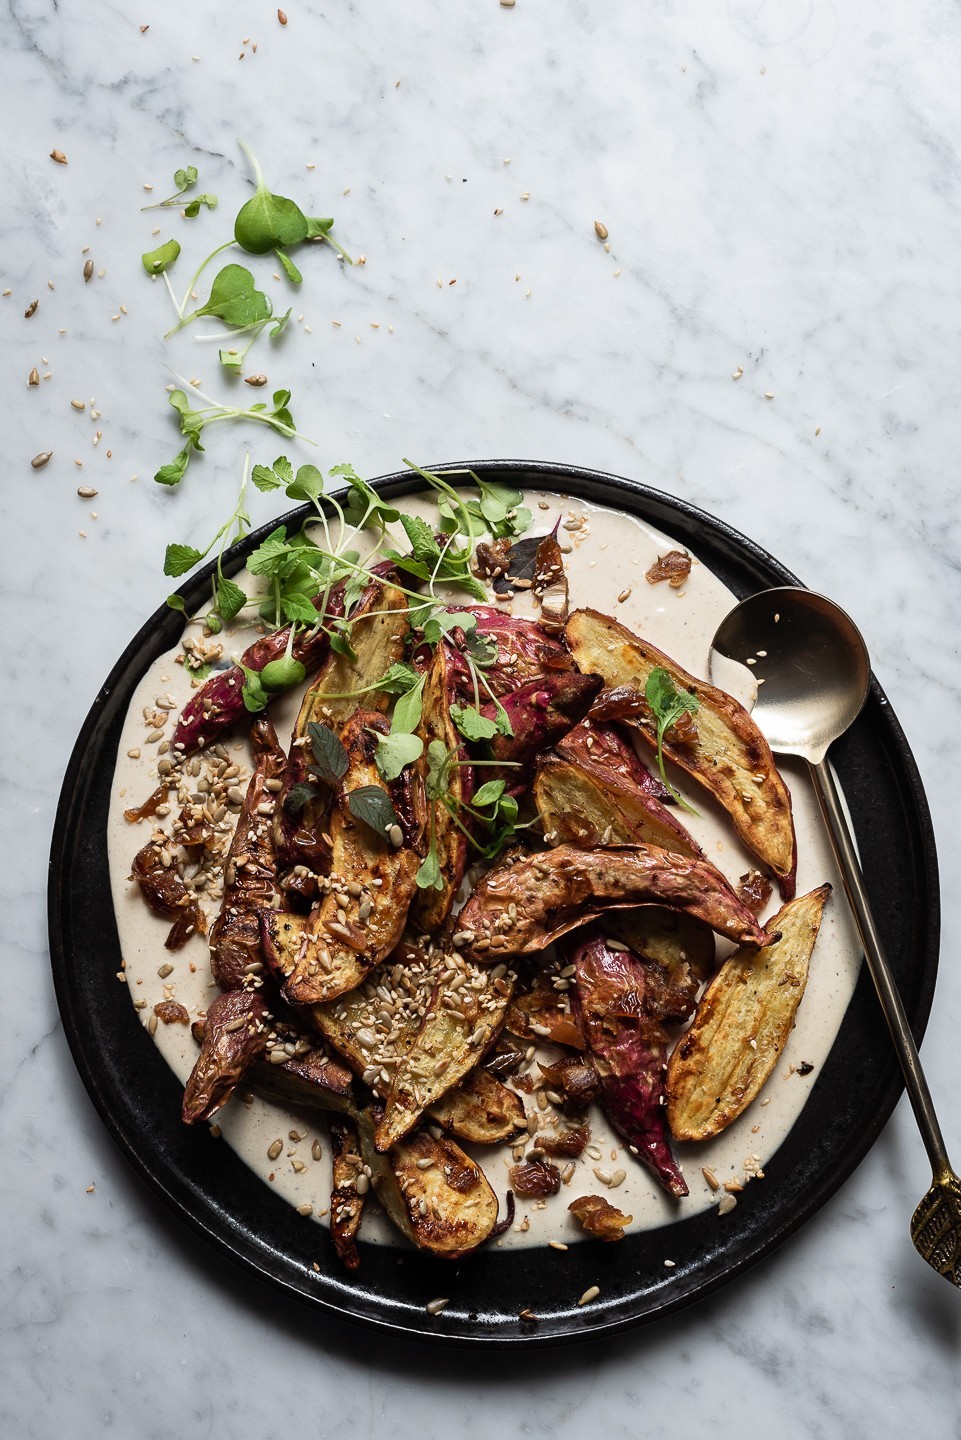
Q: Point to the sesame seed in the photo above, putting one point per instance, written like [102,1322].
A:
[591,1293]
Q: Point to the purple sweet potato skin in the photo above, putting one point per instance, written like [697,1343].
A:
[596,742]
[540,714]
[629,1048]
[226,1053]
[525,652]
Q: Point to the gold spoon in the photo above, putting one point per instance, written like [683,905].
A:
[816,674]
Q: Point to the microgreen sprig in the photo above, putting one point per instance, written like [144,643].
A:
[668,704]
[185,179]
[228,598]
[194,422]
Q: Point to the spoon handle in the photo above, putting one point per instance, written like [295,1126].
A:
[891,1003]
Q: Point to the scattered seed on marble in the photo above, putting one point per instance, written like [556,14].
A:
[38,461]
[600,230]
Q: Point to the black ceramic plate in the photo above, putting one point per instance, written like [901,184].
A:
[208,1187]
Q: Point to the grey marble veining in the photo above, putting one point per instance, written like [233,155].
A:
[782,188]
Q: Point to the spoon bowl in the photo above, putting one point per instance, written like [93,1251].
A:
[808,660]
[812,673]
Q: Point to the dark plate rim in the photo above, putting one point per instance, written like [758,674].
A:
[566,1325]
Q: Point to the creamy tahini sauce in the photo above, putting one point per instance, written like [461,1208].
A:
[610,556]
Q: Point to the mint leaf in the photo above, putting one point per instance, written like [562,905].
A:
[298,796]
[331,759]
[372,807]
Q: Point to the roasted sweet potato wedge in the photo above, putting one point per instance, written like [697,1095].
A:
[628,1044]
[346,1200]
[432,906]
[335,954]
[540,714]
[434,1193]
[250,874]
[579,805]
[682,946]
[525,652]
[376,1042]
[480,1110]
[518,908]
[727,754]
[458,1027]
[234,1038]
[742,1024]
[379,627]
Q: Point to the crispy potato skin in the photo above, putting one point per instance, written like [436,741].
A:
[729,757]
[565,888]
[334,955]
[742,1024]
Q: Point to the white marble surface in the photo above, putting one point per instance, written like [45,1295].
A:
[782,186]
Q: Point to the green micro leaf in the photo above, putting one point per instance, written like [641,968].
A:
[472,724]
[268,221]
[176,602]
[395,752]
[429,875]
[173,473]
[235,299]
[407,711]
[155,262]
[488,793]
[178,559]
[254,695]
[230,598]
[289,268]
